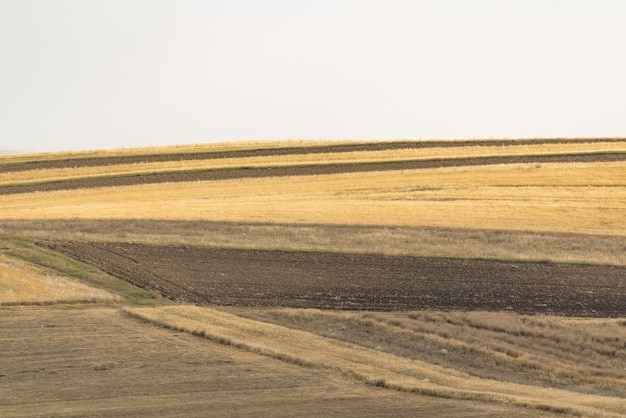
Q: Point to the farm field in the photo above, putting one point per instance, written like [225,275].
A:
[230,277]
[407,278]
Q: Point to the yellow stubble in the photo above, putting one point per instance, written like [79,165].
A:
[582,198]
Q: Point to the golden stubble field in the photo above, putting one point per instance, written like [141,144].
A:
[77,341]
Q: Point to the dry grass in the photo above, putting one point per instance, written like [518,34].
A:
[584,355]
[23,283]
[342,238]
[370,365]
[585,198]
[61,174]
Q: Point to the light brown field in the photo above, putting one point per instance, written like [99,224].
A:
[97,361]
[375,367]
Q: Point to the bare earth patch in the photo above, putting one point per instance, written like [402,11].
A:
[357,281]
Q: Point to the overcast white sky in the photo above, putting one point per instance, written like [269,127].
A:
[81,74]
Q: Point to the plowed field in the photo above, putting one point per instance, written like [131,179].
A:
[358,282]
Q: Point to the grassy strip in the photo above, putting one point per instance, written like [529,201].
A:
[367,365]
[64,266]
[426,242]
[21,283]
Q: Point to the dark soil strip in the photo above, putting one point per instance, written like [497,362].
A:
[240,173]
[374,146]
[349,281]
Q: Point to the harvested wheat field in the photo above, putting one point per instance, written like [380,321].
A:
[407,278]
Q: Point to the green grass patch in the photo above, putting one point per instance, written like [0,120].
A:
[28,251]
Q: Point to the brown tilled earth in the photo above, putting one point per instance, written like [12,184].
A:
[61,361]
[202,275]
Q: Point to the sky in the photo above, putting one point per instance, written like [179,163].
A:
[87,74]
